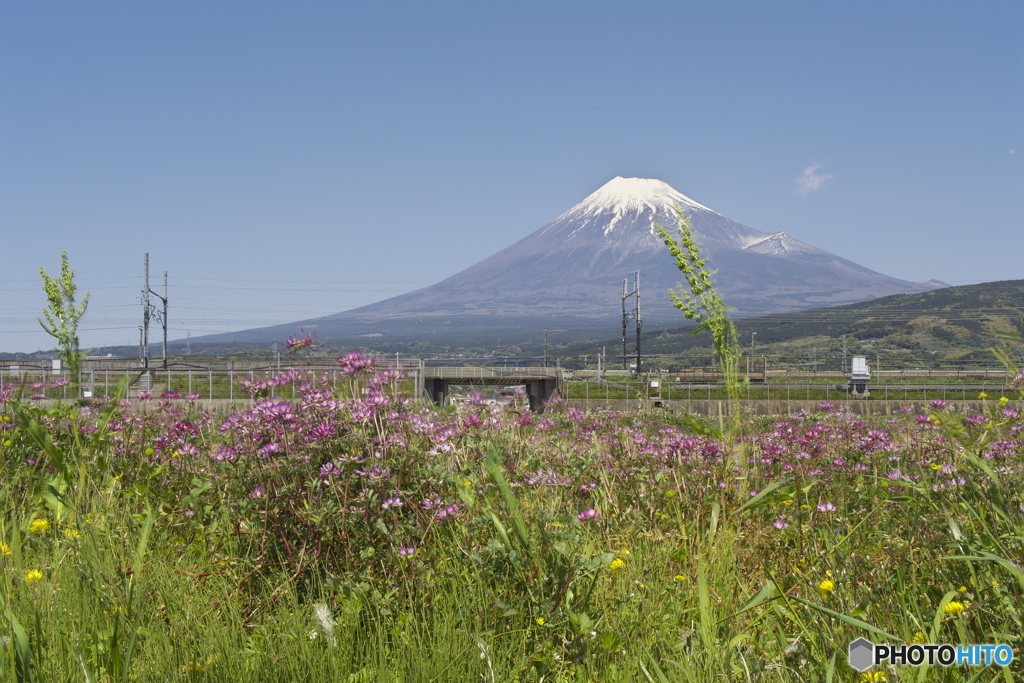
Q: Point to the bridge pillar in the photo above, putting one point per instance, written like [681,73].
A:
[436,390]
[539,392]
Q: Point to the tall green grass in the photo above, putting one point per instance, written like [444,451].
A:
[123,585]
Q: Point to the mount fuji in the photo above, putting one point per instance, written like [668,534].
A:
[573,267]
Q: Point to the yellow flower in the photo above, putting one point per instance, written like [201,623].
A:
[954,608]
[540,621]
[5,550]
[617,565]
[212,659]
[919,638]
[788,501]
[1003,399]
[680,577]
[33,575]
[827,586]
[624,552]
[872,677]
[39,526]
[72,534]
[983,395]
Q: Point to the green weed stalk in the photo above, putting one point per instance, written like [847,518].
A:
[700,302]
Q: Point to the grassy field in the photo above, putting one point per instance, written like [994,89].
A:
[820,390]
[371,539]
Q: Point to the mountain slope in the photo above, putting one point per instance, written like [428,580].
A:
[573,267]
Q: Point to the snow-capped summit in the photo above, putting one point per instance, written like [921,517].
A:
[624,201]
[623,212]
[633,194]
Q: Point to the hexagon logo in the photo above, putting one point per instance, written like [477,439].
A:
[862,654]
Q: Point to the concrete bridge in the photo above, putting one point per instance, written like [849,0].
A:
[541,383]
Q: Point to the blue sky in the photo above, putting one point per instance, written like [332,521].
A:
[284,160]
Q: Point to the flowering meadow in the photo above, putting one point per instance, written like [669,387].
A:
[352,535]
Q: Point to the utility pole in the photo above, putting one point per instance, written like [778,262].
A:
[639,320]
[635,313]
[148,313]
[625,319]
[161,316]
[545,347]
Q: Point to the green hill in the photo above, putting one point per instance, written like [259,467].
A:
[952,326]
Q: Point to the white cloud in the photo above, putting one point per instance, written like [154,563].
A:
[811,179]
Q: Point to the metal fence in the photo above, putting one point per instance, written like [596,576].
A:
[41,380]
[218,380]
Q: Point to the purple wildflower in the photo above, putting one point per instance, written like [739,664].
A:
[296,344]
[355,363]
[446,512]
[588,514]
[393,502]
